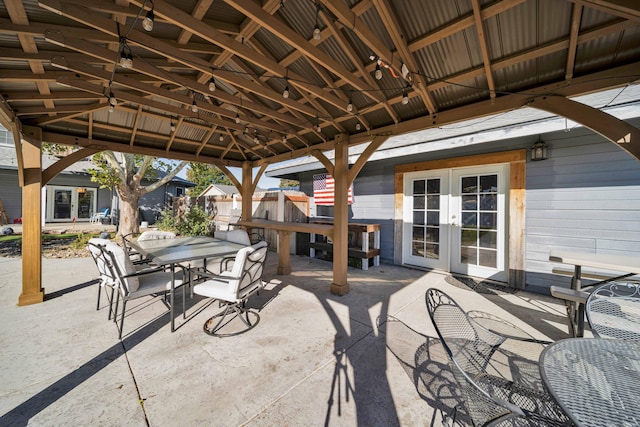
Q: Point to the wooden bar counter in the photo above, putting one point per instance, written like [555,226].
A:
[284,230]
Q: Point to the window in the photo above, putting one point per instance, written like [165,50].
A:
[179,191]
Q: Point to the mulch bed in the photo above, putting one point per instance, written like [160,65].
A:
[51,248]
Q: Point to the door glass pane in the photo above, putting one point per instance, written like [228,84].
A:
[433,218]
[85,204]
[417,249]
[469,185]
[469,237]
[426,211]
[433,251]
[469,203]
[62,204]
[479,220]
[487,258]
[489,239]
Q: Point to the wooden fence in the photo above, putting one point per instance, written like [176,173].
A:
[287,206]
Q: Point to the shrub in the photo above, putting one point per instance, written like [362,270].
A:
[196,223]
[81,241]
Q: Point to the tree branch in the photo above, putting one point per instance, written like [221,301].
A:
[166,178]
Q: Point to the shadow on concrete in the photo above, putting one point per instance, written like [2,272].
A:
[62,292]
[426,363]
[21,414]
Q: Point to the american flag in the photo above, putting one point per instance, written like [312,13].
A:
[323,189]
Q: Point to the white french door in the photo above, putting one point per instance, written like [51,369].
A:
[66,203]
[455,220]
[426,214]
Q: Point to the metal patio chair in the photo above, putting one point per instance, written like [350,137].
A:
[107,278]
[133,283]
[613,311]
[239,278]
[491,398]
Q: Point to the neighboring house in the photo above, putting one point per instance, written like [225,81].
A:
[468,199]
[219,190]
[71,194]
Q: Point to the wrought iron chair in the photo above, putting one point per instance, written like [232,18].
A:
[613,311]
[133,283]
[491,398]
[232,287]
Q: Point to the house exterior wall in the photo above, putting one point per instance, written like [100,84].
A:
[585,196]
[10,194]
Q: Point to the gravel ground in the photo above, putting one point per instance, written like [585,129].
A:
[51,248]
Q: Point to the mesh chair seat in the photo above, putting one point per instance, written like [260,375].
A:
[490,399]
[613,311]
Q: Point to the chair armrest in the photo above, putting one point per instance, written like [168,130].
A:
[215,276]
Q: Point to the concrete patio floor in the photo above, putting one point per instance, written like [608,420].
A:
[314,359]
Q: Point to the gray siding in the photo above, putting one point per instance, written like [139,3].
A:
[585,197]
[10,194]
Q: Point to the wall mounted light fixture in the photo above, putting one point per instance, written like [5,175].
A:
[539,151]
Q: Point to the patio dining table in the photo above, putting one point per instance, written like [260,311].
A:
[182,250]
[595,381]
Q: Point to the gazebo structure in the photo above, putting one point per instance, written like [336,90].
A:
[240,83]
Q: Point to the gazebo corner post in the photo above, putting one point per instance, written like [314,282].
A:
[32,290]
[247,191]
[340,286]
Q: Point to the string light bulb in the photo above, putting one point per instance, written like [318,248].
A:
[285,93]
[316,29]
[378,73]
[318,128]
[284,139]
[194,106]
[237,118]
[358,126]
[112,99]
[172,126]
[147,22]
[221,139]
[212,85]
[111,108]
[350,106]
[405,97]
[246,129]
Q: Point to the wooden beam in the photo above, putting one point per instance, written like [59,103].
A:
[324,160]
[615,130]
[576,17]
[364,156]
[101,145]
[482,41]
[49,173]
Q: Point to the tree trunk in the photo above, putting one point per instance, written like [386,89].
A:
[129,213]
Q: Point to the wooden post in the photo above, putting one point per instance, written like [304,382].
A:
[340,286]
[247,192]
[32,291]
